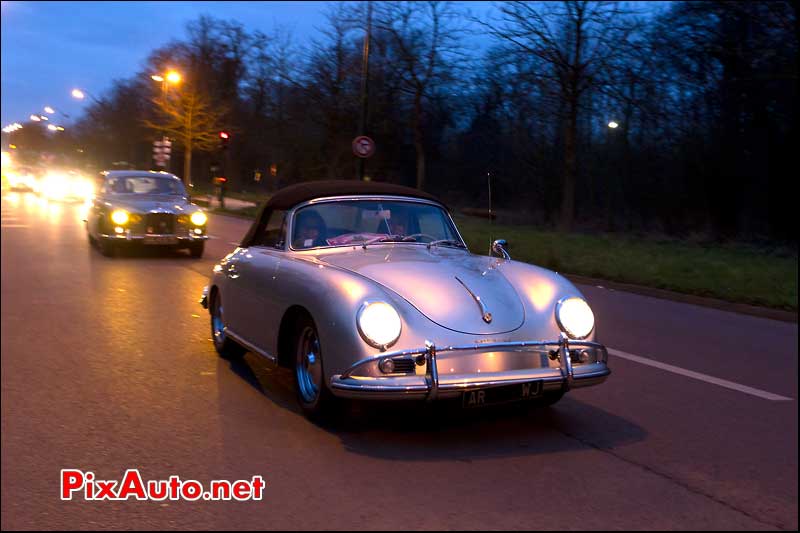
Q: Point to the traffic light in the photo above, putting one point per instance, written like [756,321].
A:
[224,137]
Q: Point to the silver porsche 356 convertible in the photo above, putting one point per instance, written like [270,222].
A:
[145,207]
[366,290]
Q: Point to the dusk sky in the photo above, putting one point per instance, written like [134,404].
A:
[48,48]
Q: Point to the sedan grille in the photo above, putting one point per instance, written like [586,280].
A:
[159,223]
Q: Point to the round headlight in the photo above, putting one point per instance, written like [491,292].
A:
[378,324]
[575,317]
[120,216]
[198,218]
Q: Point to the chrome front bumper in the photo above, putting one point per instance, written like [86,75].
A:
[431,386]
[138,237]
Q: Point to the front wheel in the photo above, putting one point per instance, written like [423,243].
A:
[226,347]
[107,247]
[196,249]
[313,394]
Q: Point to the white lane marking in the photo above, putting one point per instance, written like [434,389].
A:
[697,375]
[13,226]
[234,243]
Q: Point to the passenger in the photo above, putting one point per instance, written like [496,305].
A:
[310,230]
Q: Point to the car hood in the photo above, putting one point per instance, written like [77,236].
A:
[154,203]
[442,283]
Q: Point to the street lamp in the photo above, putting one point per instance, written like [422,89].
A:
[77,93]
[48,109]
[171,76]
[613,125]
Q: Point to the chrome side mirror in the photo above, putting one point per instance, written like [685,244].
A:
[499,248]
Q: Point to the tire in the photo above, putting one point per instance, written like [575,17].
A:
[107,248]
[226,347]
[196,249]
[313,395]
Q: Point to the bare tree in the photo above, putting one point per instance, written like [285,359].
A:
[424,36]
[189,117]
[577,41]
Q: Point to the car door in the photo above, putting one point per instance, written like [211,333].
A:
[256,316]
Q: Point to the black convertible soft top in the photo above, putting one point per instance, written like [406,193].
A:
[292,195]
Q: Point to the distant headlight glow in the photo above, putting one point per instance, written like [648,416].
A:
[379,324]
[199,218]
[575,317]
[120,217]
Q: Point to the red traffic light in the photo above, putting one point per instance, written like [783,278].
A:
[223,135]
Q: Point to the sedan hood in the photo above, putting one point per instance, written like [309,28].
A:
[455,289]
[159,203]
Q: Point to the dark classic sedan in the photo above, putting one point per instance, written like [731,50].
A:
[147,208]
[367,290]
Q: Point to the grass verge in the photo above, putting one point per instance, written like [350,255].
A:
[732,272]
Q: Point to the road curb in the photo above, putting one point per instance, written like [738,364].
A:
[724,305]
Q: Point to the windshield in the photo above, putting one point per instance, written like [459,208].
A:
[144,185]
[349,222]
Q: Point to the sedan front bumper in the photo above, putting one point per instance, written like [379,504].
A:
[140,238]
[431,386]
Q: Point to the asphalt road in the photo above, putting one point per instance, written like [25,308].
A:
[107,365]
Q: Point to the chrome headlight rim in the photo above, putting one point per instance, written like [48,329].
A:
[563,326]
[382,347]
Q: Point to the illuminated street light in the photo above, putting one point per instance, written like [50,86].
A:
[173,77]
[156,77]
[35,118]
[60,128]
[77,93]
[613,125]
[48,109]
[52,127]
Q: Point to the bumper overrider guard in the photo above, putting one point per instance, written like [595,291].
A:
[563,377]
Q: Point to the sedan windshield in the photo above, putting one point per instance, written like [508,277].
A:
[351,222]
[144,185]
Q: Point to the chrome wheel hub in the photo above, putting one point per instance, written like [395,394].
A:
[308,366]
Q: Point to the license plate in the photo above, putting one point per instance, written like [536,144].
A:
[505,394]
[160,240]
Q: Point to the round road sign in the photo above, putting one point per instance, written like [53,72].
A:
[363,146]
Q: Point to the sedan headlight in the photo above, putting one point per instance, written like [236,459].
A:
[120,217]
[575,317]
[379,324]
[198,218]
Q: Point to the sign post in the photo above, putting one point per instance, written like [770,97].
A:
[161,152]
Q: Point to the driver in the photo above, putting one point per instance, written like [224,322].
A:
[310,230]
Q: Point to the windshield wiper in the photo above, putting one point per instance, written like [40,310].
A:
[449,242]
[383,238]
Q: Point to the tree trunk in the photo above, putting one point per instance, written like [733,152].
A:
[568,184]
[187,166]
[418,145]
